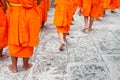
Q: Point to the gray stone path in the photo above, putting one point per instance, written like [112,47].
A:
[88,56]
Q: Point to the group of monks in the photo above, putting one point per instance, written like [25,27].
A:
[90,9]
[20,23]
[21,20]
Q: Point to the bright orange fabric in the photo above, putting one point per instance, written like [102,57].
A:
[114,4]
[62,29]
[20,51]
[3,28]
[80,3]
[111,4]
[64,10]
[60,14]
[106,4]
[48,3]
[43,8]
[75,4]
[93,8]
[24,27]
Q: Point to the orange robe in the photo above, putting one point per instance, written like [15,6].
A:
[93,8]
[111,4]
[43,8]
[48,3]
[63,15]
[80,3]
[24,20]
[114,4]
[3,28]
[75,4]
[106,4]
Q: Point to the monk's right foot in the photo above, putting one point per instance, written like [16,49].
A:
[12,68]
[84,29]
[26,67]
[90,29]
[62,47]
[3,56]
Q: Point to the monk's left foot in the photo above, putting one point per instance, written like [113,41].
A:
[3,56]
[84,29]
[90,29]
[62,47]
[12,68]
[26,67]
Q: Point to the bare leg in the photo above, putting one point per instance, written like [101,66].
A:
[86,20]
[61,36]
[91,23]
[13,67]
[1,52]
[3,56]
[72,20]
[62,40]
[26,65]
[103,13]
[86,23]
[80,12]
[64,36]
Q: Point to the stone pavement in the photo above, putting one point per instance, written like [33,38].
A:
[88,56]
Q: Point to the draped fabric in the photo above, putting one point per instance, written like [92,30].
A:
[43,7]
[114,4]
[63,14]
[24,26]
[93,8]
[111,4]
[48,4]
[3,28]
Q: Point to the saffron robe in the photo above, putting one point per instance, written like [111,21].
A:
[3,28]
[24,20]
[93,8]
[63,15]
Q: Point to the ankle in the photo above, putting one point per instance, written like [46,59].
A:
[14,66]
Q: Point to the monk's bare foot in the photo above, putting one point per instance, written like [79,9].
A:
[90,29]
[26,67]
[84,29]
[62,47]
[12,68]
[3,56]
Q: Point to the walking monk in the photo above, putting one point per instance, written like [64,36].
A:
[24,20]
[92,9]
[3,29]
[62,19]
